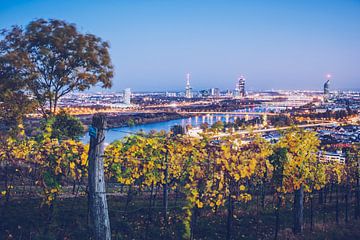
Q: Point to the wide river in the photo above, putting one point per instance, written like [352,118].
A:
[118,133]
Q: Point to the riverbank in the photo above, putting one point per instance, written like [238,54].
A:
[116,120]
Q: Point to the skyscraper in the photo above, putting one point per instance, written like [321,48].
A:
[327,85]
[327,88]
[127,96]
[240,87]
[188,87]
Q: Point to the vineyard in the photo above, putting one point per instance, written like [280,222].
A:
[166,186]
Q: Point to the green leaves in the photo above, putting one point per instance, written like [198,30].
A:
[51,58]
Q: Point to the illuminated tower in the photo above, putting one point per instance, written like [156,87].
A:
[188,87]
[241,86]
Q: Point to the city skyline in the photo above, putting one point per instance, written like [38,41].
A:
[282,45]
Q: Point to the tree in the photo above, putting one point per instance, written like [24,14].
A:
[278,160]
[51,58]
[302,147]
[65,126]
[177,130]
[13,107]
[217,126]
[14,103]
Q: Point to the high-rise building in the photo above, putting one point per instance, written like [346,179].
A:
[240,87]
[188,87]
[327,85]
[327,88]
[127,96]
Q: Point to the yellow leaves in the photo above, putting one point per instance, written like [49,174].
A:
[242,188]
[72,165]
[219,202]
[58,170]
[127,181]
[3,193]
[54,190]
[252,165]
[194,193]
[245,197]
[199,204]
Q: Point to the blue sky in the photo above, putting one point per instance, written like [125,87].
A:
[275,44]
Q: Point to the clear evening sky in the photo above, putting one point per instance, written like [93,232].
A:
[275,44]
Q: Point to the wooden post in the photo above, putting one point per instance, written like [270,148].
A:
[98,209]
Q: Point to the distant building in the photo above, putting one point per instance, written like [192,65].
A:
[240,87]
[236,91]
[170,94]
[204,93]
[127,96]
[331,157]
[327,87]
[215,92]
[188,87]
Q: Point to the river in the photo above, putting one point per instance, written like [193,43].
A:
[118,133]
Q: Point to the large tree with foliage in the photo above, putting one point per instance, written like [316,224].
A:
[51,58]
[14,102]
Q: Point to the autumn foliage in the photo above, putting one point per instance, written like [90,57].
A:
[209,173]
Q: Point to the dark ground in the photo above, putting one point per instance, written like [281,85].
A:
[25,219]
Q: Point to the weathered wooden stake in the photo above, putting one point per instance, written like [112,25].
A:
[98,208]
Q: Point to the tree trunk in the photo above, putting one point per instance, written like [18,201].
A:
[149,211]
[193,222]
[311,213]
[325,193]
[331,192]
[357,204]
[98,208]
[321,196]
[165,191]
[324,212]
[56,99]
[347,202]
[337,204]
[277,213]
[128,198]
[230,213]
[299,210]
[263,194]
